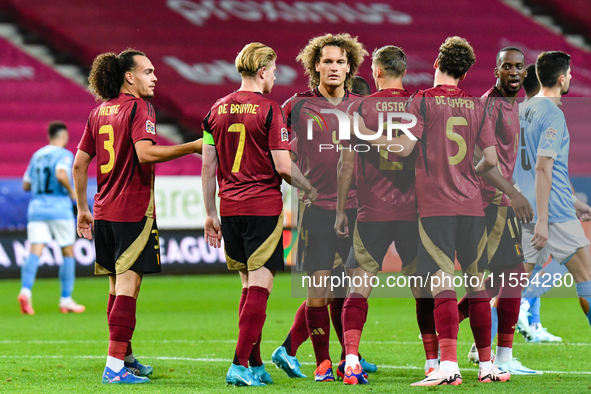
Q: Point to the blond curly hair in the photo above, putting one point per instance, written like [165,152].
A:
[311,54]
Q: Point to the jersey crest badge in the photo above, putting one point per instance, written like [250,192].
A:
[150,127]
[284,135]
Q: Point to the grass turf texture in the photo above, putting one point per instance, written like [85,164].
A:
[183,321]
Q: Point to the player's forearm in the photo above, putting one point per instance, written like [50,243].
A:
[488,161]
[148,153]
[298,180]
[208,171]
[543,187]
[344,179]
[62,178]
[495,178]
[80,175]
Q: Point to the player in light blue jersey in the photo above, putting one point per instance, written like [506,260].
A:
[50,216]
[542,174]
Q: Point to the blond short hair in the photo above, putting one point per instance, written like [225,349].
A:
[312,53]
[253,57]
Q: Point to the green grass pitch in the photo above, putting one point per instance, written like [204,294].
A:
[187,328]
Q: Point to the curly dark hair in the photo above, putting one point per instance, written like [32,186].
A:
[311,54]
[108,73]
[456,57]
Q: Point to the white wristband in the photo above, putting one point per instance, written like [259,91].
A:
[575,198]
[517,187]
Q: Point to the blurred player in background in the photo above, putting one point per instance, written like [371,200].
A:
[360,86]
[503,206]
[387,213]
[50,216]
[331,61]
[121,133]
[247,144]
[542,174]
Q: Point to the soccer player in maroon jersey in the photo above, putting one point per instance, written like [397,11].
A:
[451,218]
[387,212]
[121,133]
[247,143]
[330,61]
[503,206]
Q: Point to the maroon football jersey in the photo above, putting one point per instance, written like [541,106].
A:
[125,187]
[449,124]
[246,127]
[319,166]
[385,181]
[504,117]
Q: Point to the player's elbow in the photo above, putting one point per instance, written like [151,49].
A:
[283,169]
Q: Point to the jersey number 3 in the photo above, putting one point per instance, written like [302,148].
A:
[108,145]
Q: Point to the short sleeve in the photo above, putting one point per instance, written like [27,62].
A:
[286,108]
[278,133]
[207,134]
[87,143]
[65,162]
[551,137]
[143,126]
[417,106]
[486,136]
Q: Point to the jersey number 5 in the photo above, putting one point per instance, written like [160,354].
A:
[108,145]
[455,137]
[238,128]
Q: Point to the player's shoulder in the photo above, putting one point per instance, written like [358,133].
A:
[302,95]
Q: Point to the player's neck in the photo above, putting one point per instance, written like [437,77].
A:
[552,94]
[251,85]
[509,98]
[444,79]
[126,89]
[395,83]
[334,94]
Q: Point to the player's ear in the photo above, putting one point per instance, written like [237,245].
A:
[317,65]
[436,64]
[561,80]
[403,74]
[496,72]
[129,77]
[463,77]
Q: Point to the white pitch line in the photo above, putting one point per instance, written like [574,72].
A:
[224,360]
[197,341]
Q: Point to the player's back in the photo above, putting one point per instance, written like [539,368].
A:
[245,127]
[385,181]
[50,199]
[450,124]
[125,187]
[544,133]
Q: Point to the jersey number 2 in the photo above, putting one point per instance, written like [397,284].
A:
[108,145]
[238,128]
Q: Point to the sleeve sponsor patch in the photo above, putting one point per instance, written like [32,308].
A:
[551,133]
[284,135]
[150,127]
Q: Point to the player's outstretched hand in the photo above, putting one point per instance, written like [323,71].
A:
[522,207]
[538,241]
[341,225]
[213,231]
[583,211]
[85,223]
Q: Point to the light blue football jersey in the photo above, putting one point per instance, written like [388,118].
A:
[544,133]
[50,199]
